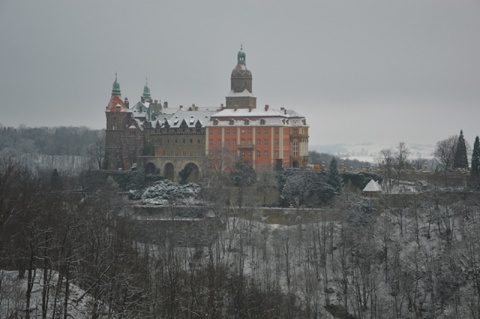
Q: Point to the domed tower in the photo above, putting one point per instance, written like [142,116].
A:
[241,94]
[146,92]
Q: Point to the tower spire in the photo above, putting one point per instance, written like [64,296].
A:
[116,87]
[146,89]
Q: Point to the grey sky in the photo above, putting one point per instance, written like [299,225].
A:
[360,71]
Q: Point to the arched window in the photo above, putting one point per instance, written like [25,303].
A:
[295,147]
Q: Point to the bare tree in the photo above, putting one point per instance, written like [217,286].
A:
[401,159]
[444,153]
[96,151]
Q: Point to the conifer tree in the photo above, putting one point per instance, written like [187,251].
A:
[460,160]
[333,177]
[475,170]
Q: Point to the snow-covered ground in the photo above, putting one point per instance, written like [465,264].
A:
[13,296]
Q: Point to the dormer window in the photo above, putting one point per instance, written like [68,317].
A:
[262,122]
[215,122]
[231,122]
[246,122]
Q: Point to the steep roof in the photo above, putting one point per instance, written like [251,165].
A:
[372,186]
[190,118]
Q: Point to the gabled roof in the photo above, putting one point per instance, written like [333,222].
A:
[189,119]
[372,186]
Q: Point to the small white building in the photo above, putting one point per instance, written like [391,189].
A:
[373,189]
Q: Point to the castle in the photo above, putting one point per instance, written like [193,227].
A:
[188,141]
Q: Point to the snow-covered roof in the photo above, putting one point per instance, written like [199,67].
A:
[372,186]
[240,94]
[191,118]
[257,116]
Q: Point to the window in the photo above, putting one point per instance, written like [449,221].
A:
[242,142]
[249,131]
[258,153]
[249,141]
[243,131]
[262,122]
[184,153]
[277,154]
[295,148]
[266,131]
[215,122]
[198,141]
[210,142]
[276,131]
[234,142]
[265,153]
[235,131]
[265,142]
[184,141]
[228,142]
[246,122]
[295,131]
[210,132]
[220,132]
[250,153]
[228,131]
[230,122]
[258,131]
[191,141]
[176,141]
[276,142]
[258,141]
[219,143]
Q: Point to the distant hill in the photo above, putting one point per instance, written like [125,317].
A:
[368,152]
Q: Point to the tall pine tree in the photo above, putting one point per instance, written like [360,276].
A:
[475,170]
[333,177]
[460,160]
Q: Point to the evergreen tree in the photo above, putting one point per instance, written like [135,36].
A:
[475,170]
[460,160]
[333,177]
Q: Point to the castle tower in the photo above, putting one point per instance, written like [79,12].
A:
[241,94]
[117,114]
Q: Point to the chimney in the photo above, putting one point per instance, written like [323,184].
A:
[127,103]
[284,111]
[181,106]
[266,107]
[235,107]
[165,105]
[250,109]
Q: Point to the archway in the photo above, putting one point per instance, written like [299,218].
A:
[150,168]
[189,173]
[169,171]
[295,164]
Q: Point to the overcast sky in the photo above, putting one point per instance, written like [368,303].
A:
[360,71]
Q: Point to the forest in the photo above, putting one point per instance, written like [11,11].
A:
[70,251]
